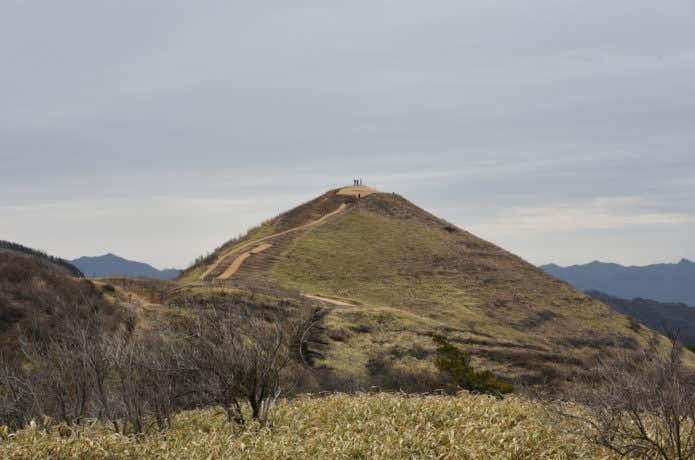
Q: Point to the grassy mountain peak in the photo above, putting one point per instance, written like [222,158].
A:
[390,275]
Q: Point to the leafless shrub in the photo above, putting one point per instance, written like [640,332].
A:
[238,365]
[640,405]
[16,409]
[148,382]
[94,363]
[58,374]
[94,372]
[60,382]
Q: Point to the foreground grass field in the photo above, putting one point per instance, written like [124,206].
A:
[383,426]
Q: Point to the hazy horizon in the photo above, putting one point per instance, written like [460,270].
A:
[561,131]
[135,259]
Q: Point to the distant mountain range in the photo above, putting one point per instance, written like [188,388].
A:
[662,317]
[670,283]
[113,265]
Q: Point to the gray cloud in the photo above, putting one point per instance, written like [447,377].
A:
[159,129]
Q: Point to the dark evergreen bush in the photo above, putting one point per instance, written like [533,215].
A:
[457,364]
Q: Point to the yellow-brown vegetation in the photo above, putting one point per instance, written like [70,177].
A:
[378,426]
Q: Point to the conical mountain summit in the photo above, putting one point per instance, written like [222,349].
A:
[390,275]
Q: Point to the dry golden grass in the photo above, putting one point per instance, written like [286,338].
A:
[379,426]
[412,277]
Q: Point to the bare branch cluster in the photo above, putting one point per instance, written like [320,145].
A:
[642,404]
[136,379]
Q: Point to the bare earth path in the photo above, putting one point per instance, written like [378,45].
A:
[232,269]
[339,303]
[247,254]
[357,191]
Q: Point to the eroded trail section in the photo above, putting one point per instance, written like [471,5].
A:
[232,269]
[246,253]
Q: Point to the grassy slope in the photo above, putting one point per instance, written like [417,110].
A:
[412,276]
[295,217]
[340,426]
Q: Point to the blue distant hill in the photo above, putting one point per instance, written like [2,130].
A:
[113,265]
[671,283]
[674,318]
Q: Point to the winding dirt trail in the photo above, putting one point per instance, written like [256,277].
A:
[231,270]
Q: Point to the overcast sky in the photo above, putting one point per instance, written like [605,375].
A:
[562,130]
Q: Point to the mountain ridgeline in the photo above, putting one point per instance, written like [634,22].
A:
[388,276]
[113,265]
[672,318]
[57,262]
[671,283]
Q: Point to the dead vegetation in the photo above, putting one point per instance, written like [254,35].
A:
[129,377]
[38,299]
[84,371]
[374,426]
[47,260]
[75,350]
[641,404]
